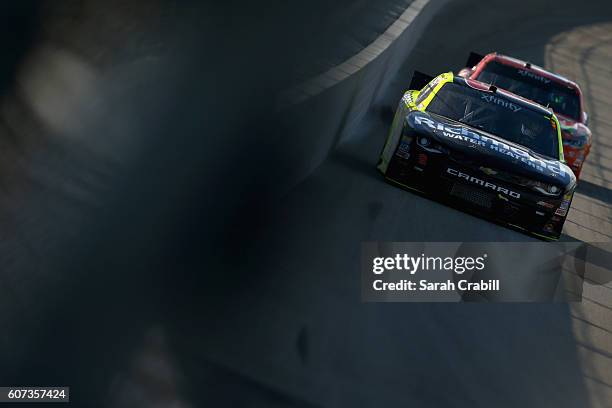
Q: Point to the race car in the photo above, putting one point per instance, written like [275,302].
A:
[482,149]
[544,87]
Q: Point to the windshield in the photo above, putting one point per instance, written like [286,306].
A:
[542,90]
[499,116]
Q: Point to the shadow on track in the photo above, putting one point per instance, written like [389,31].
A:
[595,191]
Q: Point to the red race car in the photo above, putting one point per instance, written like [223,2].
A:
[544,87]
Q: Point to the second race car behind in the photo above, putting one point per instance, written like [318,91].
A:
[563,96]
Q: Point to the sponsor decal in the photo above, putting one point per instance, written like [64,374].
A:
[407,98]
[545,204]
[404,149]
[501,102]
[531,75]
[482,183]
[466,135]
[422,159]
[564,204]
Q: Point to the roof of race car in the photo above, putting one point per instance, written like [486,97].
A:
[517,63]
[519,100]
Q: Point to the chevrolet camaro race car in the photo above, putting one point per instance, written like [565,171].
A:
[484,149]
[563,96]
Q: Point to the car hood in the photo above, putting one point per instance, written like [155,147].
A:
[489,150]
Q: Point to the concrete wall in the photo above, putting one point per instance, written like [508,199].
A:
[324,111]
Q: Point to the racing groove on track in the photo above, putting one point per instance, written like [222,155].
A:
[586,55]
[323,346]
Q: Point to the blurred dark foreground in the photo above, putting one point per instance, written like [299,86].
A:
[138,157]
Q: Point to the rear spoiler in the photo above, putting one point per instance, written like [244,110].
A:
[419,80]
[473,59]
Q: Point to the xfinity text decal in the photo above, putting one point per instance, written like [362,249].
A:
[467,135]
[483,183]
[531,75]
[501,102]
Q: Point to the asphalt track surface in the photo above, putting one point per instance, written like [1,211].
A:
[277,320]
[322,346]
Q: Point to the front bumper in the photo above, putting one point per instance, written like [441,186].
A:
[436,175]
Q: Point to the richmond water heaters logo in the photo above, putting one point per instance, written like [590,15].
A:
[466,135]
